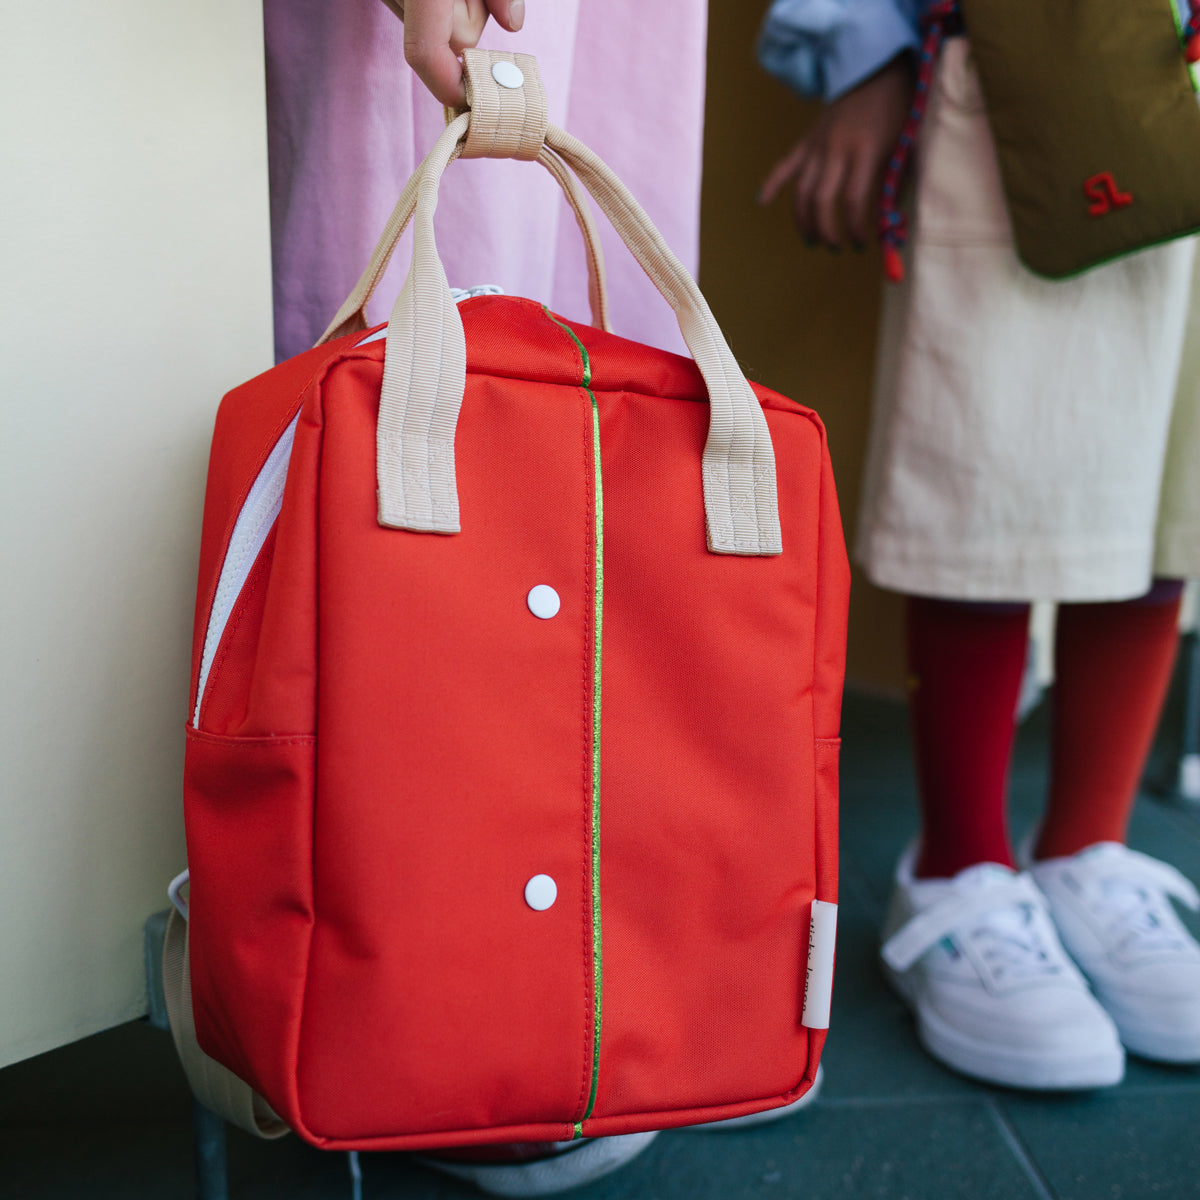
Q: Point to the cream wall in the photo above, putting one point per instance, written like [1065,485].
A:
[136,289]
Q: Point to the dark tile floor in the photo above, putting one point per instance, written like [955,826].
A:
[108,1117]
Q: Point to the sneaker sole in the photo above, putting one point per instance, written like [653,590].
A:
[1158,1045]
[1004,1066]
[549,1176]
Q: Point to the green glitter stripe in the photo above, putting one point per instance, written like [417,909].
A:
[598,628]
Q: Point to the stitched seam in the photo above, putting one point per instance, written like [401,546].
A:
[593,625]
[252,742]
[597,695]
[301,1017]
[585,783]
[596,535]
[585,891]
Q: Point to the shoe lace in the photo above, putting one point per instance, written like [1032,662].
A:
[1135,917]
[1013,943]
[1128,894]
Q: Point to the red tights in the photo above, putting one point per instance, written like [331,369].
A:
[966,661]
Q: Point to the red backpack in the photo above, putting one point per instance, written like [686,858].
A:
[511,778]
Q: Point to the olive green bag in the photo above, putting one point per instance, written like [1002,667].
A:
[1092,105]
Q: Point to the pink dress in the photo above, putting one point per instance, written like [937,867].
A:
[348,121]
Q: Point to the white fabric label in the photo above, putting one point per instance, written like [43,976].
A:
[818,983]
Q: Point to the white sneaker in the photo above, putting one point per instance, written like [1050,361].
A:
[572,1165]
[771,1114]
[1113,914]
[996,997]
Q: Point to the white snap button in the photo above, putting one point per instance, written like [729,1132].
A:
[541,892]
[508,74]
[543,601]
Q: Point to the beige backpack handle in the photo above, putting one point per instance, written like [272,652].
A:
[425,357]
[740,495]
[351,317]
[214,1085]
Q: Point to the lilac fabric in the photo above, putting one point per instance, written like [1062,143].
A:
[348,121]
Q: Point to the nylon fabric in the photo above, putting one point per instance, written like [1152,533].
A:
[392,746]
[389,745]
[1093,112]
[597,710]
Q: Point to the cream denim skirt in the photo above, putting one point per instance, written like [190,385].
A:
[1031,439]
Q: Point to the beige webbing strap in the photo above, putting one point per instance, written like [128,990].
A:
[740,496]
[597,283]
[424,375]
[215,1086]
[425,356]
[351,317]
[507,101]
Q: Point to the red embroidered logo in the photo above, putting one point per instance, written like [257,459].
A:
[1104,194]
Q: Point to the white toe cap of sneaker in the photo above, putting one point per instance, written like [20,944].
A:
[1112,910]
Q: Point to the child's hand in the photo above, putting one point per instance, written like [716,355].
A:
[838,168]
[436,32]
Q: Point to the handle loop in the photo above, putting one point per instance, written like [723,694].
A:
[352,316]
[425,359]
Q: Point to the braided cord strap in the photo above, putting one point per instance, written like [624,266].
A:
[939,20]
[1191,33]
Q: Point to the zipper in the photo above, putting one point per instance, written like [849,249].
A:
[259,513]
[255,521]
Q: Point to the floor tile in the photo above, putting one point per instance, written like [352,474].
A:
[1114,1146]
[128,1073]
[837,1151]
[890,1153]
[112,1111]
[116,1160]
